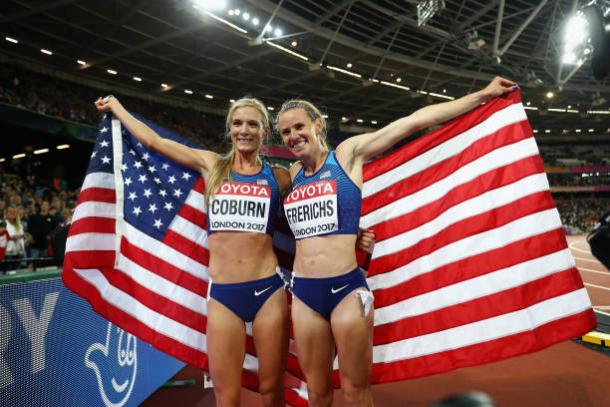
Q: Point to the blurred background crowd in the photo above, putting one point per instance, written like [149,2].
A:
[35,207]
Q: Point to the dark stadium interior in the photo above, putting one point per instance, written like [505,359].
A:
[364,62]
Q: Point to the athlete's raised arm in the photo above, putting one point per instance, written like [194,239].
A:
[199,160]
[365,146]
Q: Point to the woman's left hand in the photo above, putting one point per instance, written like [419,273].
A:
[497,87]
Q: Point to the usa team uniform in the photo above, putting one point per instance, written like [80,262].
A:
[325,203]
[249,203]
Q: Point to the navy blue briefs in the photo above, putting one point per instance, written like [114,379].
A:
[324,294]
[245,299]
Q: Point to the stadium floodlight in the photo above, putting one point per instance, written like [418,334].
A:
[222,20]
[137,79]
[587,37]
[46,51]
[9,39]
[278,32]
[188,91]
[373,121]
[212,4]
[255,21]
[550,95]
[286,50]
[111,71]
[345,71]
[63,146]
[18,156]
[81,62]
[246,16]
[394,85]
[41,151]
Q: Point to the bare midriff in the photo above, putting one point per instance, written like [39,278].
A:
[240,256]
[325,256]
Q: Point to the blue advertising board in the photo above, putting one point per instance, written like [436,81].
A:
[56,351]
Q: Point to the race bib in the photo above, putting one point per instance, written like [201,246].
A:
[240,207]
[311,209]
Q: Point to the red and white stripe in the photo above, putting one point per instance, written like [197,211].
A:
[470,264]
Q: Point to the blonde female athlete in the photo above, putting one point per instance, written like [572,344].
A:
[243,196]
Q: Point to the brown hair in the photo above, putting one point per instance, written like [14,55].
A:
[222,169]
[312,111]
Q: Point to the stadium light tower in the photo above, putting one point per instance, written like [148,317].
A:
[587,37]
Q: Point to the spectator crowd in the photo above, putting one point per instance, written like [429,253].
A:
[35,212]
[71,101]
[32,217]
[580,212]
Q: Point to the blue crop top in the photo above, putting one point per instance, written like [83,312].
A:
[249,203]
[325,203]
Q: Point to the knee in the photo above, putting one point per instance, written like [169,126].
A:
[358,394]
[320,397]
[227,396]
[272,393]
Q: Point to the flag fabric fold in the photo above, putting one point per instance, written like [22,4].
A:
[470,265]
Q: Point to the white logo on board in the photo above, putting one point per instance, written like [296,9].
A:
[115,364]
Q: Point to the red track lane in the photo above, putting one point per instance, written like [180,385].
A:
[594,274]
[566,375]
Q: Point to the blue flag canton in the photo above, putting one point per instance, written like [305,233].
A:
[101,157]
[155,188]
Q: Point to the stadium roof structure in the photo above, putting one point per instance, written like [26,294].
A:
[365,62]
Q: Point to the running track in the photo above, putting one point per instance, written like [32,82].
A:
[564,375]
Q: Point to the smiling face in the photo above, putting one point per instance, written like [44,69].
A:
[246,130]
[300,133]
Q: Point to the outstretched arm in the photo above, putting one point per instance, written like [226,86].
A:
[198,160]
[365,146]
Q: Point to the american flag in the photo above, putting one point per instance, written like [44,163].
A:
[136,245]
[470,265]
